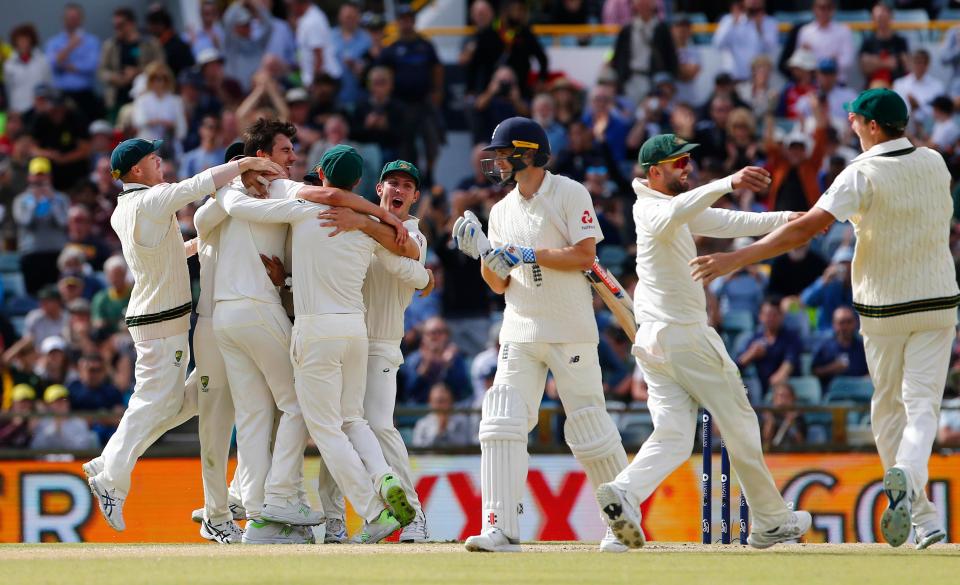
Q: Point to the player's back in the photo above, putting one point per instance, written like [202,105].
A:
[328,272]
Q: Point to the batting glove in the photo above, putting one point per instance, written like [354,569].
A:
[469,237]
[504,259]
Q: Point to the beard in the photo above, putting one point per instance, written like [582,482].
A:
[678,186]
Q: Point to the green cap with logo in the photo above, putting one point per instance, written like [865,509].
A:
[880,104]
[663,147]
[401,166]
[130,152]
[342,165]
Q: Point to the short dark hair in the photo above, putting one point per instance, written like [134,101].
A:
[943,103]
[159,16]
[261,134]
[91,357]
[25,30]
[126,13]
[892,131]
[773,300]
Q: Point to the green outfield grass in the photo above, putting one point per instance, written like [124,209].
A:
[389,564]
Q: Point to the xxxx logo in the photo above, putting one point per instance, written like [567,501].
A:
[204,383]
[178,356]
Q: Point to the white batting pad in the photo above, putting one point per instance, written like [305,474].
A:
[503,460]
[595,442]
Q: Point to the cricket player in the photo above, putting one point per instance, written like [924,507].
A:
[329,345]
[158,316]
[544,233]
[904,287]
[683,360]
[386,297]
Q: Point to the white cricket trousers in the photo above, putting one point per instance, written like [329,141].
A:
[383,362]
[159,400]
[689,366]
[329,355]
[254,339]
[909,373]
[215,407]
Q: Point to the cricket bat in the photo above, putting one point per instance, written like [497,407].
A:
[614,297]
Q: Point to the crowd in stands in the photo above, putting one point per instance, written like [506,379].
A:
[348,76]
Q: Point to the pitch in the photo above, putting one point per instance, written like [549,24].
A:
[447,563]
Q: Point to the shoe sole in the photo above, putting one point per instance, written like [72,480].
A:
[291,520]
[396,500]
[895,521]
[474,547]
[94,486]
[626,531]
[931,540]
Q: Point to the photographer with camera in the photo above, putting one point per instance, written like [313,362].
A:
[501,100]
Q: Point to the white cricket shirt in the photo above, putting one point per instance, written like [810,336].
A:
[208,220]
[386,296]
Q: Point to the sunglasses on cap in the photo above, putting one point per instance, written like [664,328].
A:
[678,162]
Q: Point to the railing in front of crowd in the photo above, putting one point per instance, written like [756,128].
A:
[844,425]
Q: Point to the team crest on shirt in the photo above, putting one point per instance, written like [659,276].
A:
[177,357]
[204,383]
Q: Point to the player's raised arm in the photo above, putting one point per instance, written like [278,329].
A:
[344,219]
[335,197]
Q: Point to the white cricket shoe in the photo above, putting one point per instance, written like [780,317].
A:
[925,536]
[895,521]
[265,532]
[293,513]
[373,532]
[336,531]
[225,532]
[93,467]
[623,520]
[236,508]
[197,515]
[111,504]
[492,540]
[610,544]
[416,531]
[795,527]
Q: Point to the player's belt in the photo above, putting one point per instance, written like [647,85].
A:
[160,317]
[895,310]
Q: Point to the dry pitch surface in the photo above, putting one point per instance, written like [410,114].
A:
[448,564]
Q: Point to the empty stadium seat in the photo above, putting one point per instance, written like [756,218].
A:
[849,389]
[806,389]
[735,322]
[806,363]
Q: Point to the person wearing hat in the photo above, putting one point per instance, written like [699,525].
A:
[386,297]
[158,315]
[328,275]
[15,431]
[683,360]
[543,234]
[830,93]
[40,214]
[61,431]
[904,287]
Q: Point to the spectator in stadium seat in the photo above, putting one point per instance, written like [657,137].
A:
[210,34]
[826,38]
[40,213]
[761,92]
[61,431]
[585,149]
[783,429]
[742,146]
[123,57]
[918,88]
[523,46]
[73,54]
[110,305]
[482,50]
[350,42]
[711,133]
[842,354]
[92,391]
[949,52]
[26,70]
[618,12]
[61,135]
[16,427]
[802,65]
[795,164]
[604,118]
[79,333]
[746,33]
[378,118]
[828,91]
[72,263]
[52,364]
[176,51]
[158,113]
[945,131]
[210,151]
[442,428]
[643,47]
[774,351]
[884,52]
[543,112]
[794,271]
[243,51]
[689,62]
[283,41]
[47,320]
[436,360]
[501,99]
[831,290]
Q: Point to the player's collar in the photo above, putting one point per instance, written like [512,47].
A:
[889,146]
[642,189]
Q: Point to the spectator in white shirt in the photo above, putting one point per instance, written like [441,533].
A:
[743,34]
[26,69]
[314,41]
[158,112]
[826,38]
[827,86]
[945,132]
[918,88]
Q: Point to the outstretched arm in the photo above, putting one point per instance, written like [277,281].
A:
[727,223]
[340,198]
[345,219]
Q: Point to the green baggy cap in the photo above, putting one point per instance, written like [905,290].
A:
[342,165]
[401,166]
[130,152]
[880,104]
[663,147]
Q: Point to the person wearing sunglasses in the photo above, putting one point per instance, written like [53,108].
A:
[683,360]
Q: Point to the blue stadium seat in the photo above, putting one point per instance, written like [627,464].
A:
[806,389]
[794,17]
[850,389]
[819,427]
[699,18]
[735,322]
[914,37]
[13,284]
[852,16]
[10,262]
[806,363]
[949,14]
